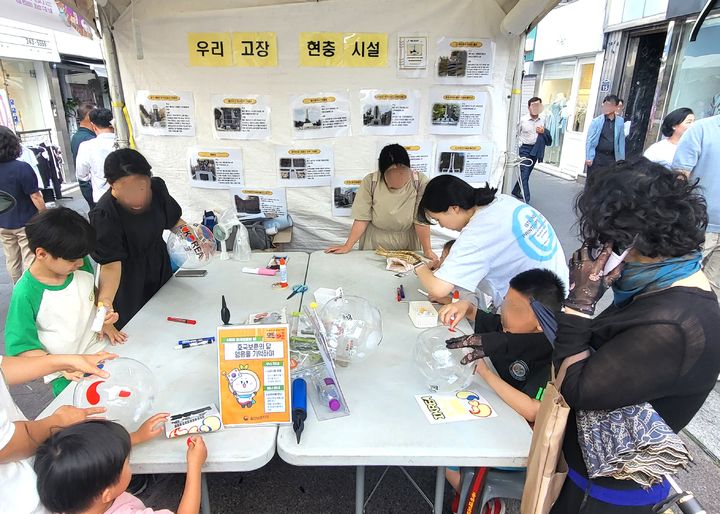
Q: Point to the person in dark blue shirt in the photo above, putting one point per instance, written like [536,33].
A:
[18,179]
[84,133]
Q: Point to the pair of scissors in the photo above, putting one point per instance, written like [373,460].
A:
[300,288]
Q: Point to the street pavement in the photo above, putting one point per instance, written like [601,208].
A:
[280,488]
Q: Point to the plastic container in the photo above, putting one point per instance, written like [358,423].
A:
[423,314]
[328,393]
[241,249]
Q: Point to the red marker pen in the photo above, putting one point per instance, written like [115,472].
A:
[182,320]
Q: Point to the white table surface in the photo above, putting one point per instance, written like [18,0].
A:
[188,378]
[386,425]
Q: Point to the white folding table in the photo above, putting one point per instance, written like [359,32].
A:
[385,426]
[188,378]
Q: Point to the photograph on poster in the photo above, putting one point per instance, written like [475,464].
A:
[292,168]
[377,116]
[309,118]
[445,114]
[451,162]
[344,196]
[247,205]
[453,65]
[204,170]
[152,115]
[228,118]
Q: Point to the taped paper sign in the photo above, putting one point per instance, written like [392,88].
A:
[215,168]
[166,113]
[320,115]
[304,167]
[247,49]
[465,60]
[390,112]
[335,49]
[258,203]
[457,111]
[466,159]
[412,55]
[241,116]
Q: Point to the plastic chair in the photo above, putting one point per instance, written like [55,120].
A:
[498,484]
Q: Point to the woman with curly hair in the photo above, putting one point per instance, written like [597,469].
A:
[18,179]
[659,342]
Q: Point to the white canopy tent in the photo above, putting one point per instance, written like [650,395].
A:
[148,50]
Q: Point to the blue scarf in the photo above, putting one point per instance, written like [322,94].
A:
[638,277]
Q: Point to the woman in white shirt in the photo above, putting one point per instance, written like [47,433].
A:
[499,238]
[673,127]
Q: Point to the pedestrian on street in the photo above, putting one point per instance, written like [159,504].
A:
[605,144]
[90,164]
[18,179]
[533,140]
[698,155]
[673,127]
[84,133]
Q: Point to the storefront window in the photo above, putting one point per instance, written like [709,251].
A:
[555,92]
[695,83]
[583,96]
[20,82]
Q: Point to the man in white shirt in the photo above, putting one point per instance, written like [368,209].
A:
[28,156]
[90,163]
[532,139]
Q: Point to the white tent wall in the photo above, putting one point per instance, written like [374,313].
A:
[161,31]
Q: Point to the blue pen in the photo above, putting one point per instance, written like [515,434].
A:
[299,406]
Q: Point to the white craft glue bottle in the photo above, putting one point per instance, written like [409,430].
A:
[99,317]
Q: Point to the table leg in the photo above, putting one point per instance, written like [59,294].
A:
[204,495]
[360,490]
[439,489]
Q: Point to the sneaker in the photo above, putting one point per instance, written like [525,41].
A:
[494,506]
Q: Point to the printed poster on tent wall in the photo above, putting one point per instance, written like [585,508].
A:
[215,168]
[421,153]
[464,61]
[390,112]
[166,113]
[469,160]
[256,203]
[241,116]
[306,166]
[320,115]
[457,111]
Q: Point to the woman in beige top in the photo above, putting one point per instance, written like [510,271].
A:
[385,207]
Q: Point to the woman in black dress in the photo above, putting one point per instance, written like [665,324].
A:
[659,342]
[129,220]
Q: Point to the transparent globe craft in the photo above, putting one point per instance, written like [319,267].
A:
[439,366]
[128,393]
[193,247]
[354,328]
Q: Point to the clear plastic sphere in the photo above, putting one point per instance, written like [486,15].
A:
[354,328]
[128,393]
[439,366]
[193,247]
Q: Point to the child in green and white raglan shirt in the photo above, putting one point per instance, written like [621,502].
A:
[53,304]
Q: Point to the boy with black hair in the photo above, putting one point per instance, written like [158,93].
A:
[53,304]
[84,469]
[515,343]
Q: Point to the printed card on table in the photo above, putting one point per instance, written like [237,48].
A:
[254,374]
[464,405]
